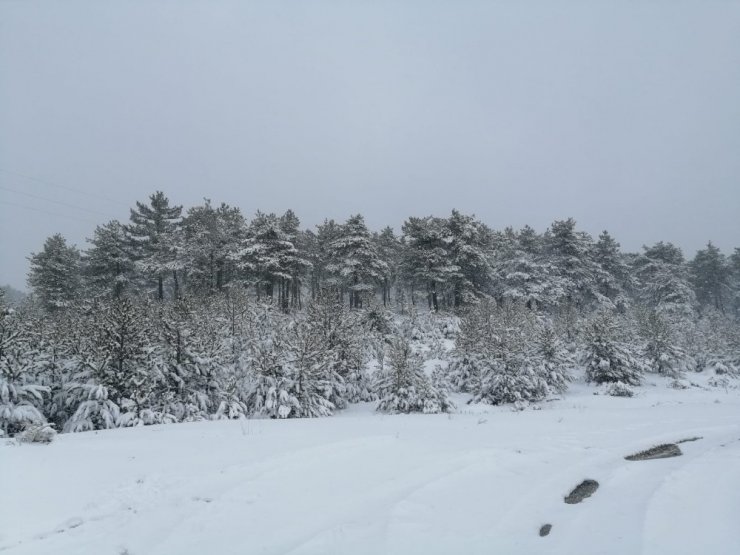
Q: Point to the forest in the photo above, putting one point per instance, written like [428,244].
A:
[204,314]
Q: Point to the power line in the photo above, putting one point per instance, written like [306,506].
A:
[31,195]
[55,214]
[66,188]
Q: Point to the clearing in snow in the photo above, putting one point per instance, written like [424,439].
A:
[368,483]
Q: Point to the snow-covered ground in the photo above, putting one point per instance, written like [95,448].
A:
[483,480]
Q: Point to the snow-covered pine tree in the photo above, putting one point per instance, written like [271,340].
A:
[311,362]
[118,374]
[613,277]
[55,274]
[404,387]
[211,237]
[507,372]
[522,274]
[21,396]
[607,354]
[271,388]
[661,349]
[153,236]
[427,262]
[109,264]
[710,275]
[663,280]
[355,263]
[553,361]
[570,253]
[470,249]
[271,259]
[347,344]
[389,249]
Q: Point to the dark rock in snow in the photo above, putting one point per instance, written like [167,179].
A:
[664,451]
[545,530]
[583,490]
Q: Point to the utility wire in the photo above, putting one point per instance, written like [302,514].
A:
[66,188]
[31,195]
[55,214]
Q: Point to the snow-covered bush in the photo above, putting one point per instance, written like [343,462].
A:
[37,433]
[618,389]
[403,387]
[496,357]
[607,355]
[21,396]
[661,351]
[554,362]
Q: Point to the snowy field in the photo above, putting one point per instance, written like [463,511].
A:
[482,480]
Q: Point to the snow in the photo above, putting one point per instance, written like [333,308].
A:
[481,480]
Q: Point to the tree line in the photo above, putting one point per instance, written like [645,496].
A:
[178,316]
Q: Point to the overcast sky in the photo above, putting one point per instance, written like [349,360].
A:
[624,115]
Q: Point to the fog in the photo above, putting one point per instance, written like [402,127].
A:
[625,116]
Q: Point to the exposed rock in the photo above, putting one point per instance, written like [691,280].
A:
[545,530]
[664,451]
[582,491]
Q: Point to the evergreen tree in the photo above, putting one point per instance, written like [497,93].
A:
[663,279]
[427,259]
[211,237]
[118,376]
[21,394]
[661,351]
[571,254]
[314,377]
[710,275]
[54,273]
[613,278]
[470,244]
[522,274]
[152,234]
[109,264]
[355,263]
[270,256]
[607,355]
[508,374]
[390,252]
[404,387]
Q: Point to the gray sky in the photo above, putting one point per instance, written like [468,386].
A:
[624,115]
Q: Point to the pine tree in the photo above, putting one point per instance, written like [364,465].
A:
[663,279]
[522,274]
[662,353]
[613,278]
[355,263]
[312,367]
[344,335]
[54,274]
[270,256]
[211,237]
[607,355]
[507,372]
[390,252]
[109,264]
[118,378]
[427,259]
[404,387]
[710,275]
[470,244]
[571,254]
[553,361]
[21,395]
[152,234]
